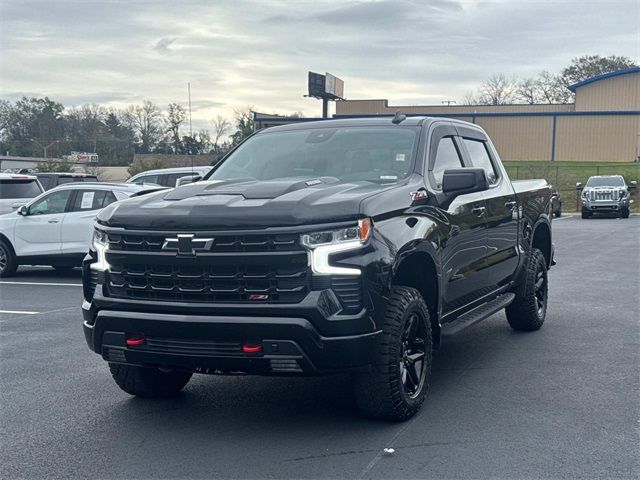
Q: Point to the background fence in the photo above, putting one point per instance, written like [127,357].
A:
[564,175]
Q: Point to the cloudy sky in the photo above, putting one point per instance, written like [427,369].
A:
[258,52]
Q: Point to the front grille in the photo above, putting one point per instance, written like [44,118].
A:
[221,243]
[192,347]
[603,195]
[205,280]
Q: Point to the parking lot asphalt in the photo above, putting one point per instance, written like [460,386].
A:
[562,402]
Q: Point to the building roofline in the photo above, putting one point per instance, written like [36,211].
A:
[597,78]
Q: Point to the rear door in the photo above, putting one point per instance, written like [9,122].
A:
[501,209]
[77,225]
[39,232]
[464,247]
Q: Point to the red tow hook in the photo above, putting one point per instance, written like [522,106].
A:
[135,340]
[252,348]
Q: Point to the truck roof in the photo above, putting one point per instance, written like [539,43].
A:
[377,120]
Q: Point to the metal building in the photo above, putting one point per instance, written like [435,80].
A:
[603,125]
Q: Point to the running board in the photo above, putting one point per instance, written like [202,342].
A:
[477,314]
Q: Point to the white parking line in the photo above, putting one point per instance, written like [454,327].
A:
[48,284]
[19,312]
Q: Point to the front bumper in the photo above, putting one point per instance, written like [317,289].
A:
[214,343]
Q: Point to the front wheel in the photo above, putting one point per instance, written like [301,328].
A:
[8,261]
[396,385]
[529,309]
[149,382]
[586,214]
[624,213]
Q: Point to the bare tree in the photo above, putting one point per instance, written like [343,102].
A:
[176,116]
[551,89]
[497,90]
[221,127]
[146,121]
[527,91]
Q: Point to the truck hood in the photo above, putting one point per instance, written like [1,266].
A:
[242,203]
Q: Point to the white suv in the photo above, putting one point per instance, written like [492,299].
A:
[56,227]
[168,177]
[16,190]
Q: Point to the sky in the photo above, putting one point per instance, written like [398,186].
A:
[257,53]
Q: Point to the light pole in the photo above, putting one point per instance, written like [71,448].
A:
[45,147]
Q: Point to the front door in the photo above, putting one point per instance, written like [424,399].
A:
[77,226]
[464,249]
[39,232]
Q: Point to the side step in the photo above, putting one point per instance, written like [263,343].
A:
[477,314]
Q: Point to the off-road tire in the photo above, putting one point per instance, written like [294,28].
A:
[624,213]
[149,382]
[524,313]
[586,214]
[380,392]
[558,213]
[8,261]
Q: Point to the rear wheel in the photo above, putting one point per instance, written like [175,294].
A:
[8,261]
[149,382]
[396,385]
[529,309]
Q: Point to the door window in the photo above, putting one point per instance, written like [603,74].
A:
[480,158]
[147,179]
[447,157]
[55,202]
[87,200]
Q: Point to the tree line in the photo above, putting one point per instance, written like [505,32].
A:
[42,127]
[547,87]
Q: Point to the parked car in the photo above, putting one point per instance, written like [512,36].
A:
[55,228]
[51,180]
[556,203]
[16,190]
[168,177]
[606,194]
[343,245]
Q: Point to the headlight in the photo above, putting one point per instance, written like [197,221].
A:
[100,244]
[322,244]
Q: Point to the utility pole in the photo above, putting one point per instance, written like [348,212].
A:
[189,90]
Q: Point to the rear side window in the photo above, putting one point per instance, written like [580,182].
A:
[19,189]
[147,179]
[480,158]
[46,181]
[92,200]
[171,179]
[447,157]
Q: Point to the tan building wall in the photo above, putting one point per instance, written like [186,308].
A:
[382,107]
[615,93]
[601,138]
[520,138]
[583,132]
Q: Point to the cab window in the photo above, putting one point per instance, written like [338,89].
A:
[480,158]
[447,156]
[55,202]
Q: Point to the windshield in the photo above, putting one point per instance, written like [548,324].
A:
[375,154]
[605,182]
[19,189]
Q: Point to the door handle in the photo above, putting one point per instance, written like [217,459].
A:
[53,221]
[510,204]
[478,211]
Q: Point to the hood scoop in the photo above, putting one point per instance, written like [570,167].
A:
[250,189]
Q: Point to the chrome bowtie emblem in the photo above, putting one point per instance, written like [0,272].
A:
[187,244]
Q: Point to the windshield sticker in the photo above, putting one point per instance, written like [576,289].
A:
[400,157]
[87,200]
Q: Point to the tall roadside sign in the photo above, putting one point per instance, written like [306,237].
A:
[325,87]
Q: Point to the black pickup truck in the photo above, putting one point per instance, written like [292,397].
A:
[342,245]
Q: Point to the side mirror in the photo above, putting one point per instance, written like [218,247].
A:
[23,210]
[633,184]
[459,181]
[578,185]
[188,179]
